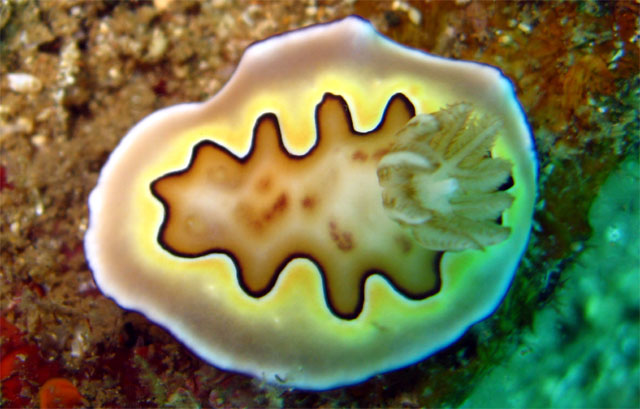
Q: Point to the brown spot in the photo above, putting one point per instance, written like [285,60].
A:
[308,202]
[377,155]
[359,156]
[404,243]
[257,217]
[343,239]
[264,184]
[246,214]
[277,207]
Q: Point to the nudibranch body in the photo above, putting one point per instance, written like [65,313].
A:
[301,227]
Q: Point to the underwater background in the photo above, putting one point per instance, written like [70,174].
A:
[567,333]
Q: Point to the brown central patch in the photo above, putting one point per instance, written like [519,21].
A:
[269,207]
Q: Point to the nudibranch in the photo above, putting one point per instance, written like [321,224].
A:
[344,206]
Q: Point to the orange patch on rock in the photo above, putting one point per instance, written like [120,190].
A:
[59,393]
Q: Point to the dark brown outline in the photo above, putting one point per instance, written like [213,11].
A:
[274,277]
